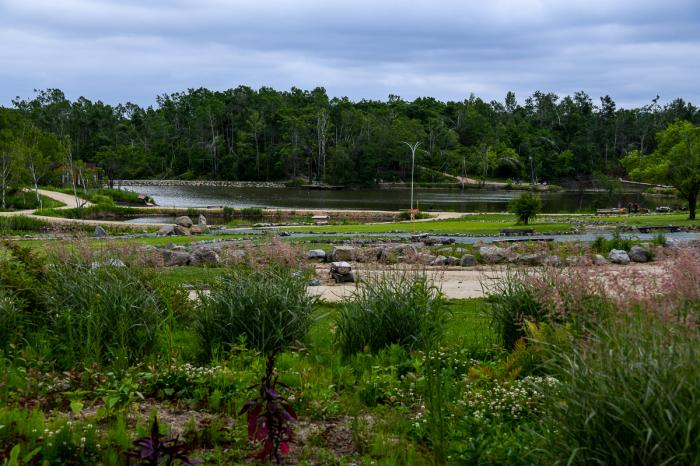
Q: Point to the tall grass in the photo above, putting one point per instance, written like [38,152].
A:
[269,307]
[631,395]
[12,318]
[393,308]
[22,223]
[106,315]
[513,303]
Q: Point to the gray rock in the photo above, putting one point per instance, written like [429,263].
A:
[599,260]
[174,258]
[202,221]
[204,256]
[315,282]
[467,260]
[451,260]
[114,263]
[184,221]
[343,253]
[493,254]
[439,261]
[553,261]
[452,251]
[639,254]
[618,256]
[179,230]
[532,259]
[100,232]
[166,230]
[424,258]
[318,254]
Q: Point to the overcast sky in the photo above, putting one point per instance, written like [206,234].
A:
[133,50]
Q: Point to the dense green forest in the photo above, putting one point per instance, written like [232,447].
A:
[244,134]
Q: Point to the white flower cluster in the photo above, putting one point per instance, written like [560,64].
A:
[193,372]
[513,399]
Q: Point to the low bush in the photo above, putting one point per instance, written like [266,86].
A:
[393,308]
[104,315]
[630,395]
[268,306]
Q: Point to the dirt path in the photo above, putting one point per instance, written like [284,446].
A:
[460,282]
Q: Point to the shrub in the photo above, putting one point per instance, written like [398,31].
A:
[268,306]
[630,395]
[103,315]
[393,308]
[525,206]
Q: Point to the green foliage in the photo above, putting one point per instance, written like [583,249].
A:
[525,207]
[395,308]
[268,306]
[675,162]
[629,396]
[105,315]
[275,135]
[22,275]
[604,246]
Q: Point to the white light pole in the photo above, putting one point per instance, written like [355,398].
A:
[413,147]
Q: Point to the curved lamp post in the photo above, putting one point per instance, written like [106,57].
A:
[413,148]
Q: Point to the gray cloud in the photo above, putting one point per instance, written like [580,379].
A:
[134,50]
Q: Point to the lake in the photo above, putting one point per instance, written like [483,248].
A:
[468,200]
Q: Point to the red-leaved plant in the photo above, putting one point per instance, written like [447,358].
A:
[270,416]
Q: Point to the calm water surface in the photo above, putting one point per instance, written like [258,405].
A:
[473,200]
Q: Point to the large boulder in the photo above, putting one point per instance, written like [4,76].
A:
[467,260]
[493,254]
[343,253]
[166,230]
[424,258]
[599,260]
[179,230]
[439,261]
[183,221]
[618,256]
[639,254]
[204,256]
[532,259]
[175,258]
[451,260]
[202,221]
[100,232]
[317,254]
[358,254]
[397,252]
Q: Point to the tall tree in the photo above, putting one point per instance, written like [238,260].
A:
[676,161]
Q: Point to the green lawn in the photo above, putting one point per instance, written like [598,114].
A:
[676,219]
[472,224]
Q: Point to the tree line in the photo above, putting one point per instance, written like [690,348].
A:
[265,134]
